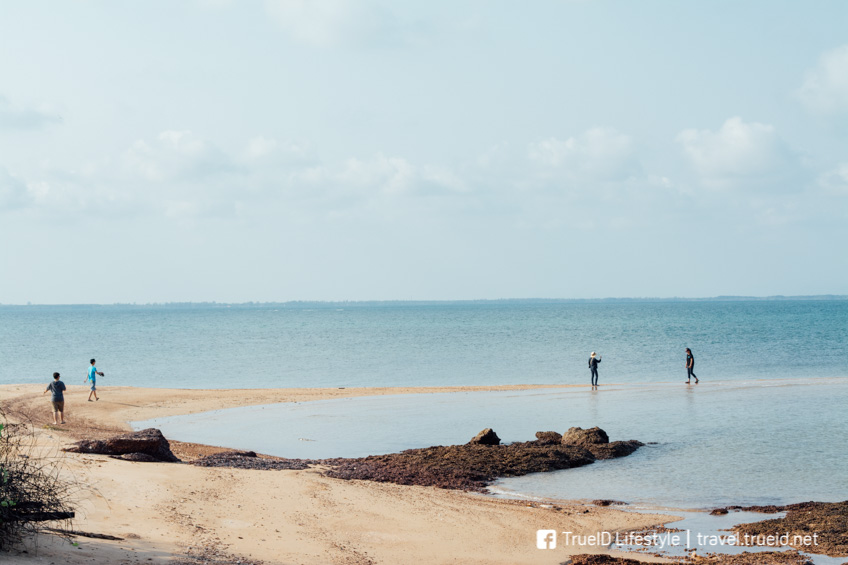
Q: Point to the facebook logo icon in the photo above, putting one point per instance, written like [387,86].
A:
[546,539]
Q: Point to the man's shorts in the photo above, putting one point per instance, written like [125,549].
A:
[58,405]
[93,387]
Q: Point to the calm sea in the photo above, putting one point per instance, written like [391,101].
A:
[427,345]
[767,424]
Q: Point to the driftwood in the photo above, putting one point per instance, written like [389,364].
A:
[77,533]
[32,512]
[37,516]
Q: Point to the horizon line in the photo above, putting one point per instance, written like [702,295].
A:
[720,298]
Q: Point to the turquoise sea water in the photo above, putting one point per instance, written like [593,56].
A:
[767,424]
[426,345]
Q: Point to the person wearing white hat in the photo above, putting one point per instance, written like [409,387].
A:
[593,368]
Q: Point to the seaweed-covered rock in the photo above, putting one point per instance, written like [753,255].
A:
[150,442]
[463,467]
[486,437]
[601,559]
[474,466]
[138,457]
[608,502]
[828,521]
[579,436]
[614,449]
[231,454]
[755,558]
[763,558]
[548,438]
[249,460]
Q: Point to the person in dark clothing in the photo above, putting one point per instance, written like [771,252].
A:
[690,366]
[593,367]
[57,399]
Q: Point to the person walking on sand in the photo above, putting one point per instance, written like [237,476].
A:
[57,399]
[690,366]
[92,376]
[593,368]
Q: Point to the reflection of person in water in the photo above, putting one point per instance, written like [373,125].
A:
[690,366]
[593,367]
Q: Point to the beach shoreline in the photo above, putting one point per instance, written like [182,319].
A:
[185,514]
[123,404]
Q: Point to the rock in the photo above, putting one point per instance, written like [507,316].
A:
[466,467]
[486,437]
[601,559]
[827,519]
[548,438]
[719,512]
[233,454]
[614,449]
[474,466]
[150,442]
[249,460]
[140,457]
[757,558]
[606,502]
[579,436]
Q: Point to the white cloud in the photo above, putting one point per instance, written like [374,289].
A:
[176,174]
[263,151]
[380,176]
[737,152]
[825,88]
[176,155]
[13,117]
[598,154]
[182,176]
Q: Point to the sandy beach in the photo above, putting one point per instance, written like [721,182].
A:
[186,514]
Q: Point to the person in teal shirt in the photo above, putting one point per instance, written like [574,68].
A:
[92,376]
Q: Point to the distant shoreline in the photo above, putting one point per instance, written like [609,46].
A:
[469,302]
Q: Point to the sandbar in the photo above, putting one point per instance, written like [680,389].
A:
[173,513]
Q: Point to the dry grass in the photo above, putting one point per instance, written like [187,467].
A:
[33,495]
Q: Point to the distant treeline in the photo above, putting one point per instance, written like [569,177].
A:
[396,303]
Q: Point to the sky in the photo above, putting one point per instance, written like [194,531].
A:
[278,150]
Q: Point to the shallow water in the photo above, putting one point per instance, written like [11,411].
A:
[717,444]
